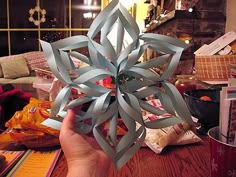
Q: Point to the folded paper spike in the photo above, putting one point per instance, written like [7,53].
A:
[128,96]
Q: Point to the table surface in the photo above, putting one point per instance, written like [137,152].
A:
[176,161]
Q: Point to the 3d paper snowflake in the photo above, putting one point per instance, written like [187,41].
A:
[126,100]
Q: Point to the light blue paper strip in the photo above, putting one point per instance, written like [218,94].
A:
[235,138]
[126,100]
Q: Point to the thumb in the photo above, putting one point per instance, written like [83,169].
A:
[68,121]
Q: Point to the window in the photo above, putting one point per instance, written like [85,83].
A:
[23,22]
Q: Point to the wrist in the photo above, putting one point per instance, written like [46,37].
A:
[79,171]
[92,166]
[87,170]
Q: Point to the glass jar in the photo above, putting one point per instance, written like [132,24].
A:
[185,83]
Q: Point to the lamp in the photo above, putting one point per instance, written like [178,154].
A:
[127,3]
[185,37]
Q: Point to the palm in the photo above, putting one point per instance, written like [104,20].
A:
[80,150]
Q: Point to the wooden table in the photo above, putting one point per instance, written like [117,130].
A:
[177,161]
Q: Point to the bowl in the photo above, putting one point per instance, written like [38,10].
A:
[205,110]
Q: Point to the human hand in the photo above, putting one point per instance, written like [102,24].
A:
[83,159]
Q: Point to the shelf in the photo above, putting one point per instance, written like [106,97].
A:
[154,24]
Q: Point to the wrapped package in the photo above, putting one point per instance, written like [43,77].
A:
[178,134]
[25,127]
[31,117]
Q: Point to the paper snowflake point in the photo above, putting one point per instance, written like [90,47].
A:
[133,81]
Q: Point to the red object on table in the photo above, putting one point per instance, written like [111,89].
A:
[222,156]
[185,83]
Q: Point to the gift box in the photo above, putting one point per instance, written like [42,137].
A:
[213,67]
[45,74]
[43,82]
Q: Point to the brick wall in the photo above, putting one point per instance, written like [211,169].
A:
[205,24]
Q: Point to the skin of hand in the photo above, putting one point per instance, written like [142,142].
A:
[83,159]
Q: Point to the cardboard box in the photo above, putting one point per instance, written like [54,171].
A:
[216,45]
